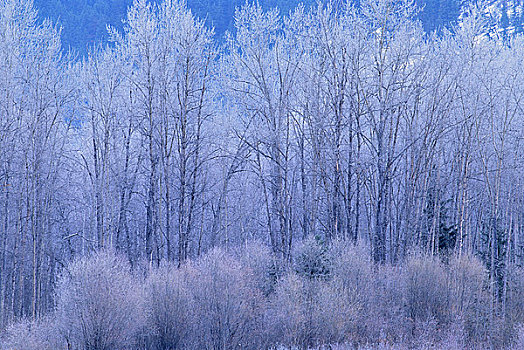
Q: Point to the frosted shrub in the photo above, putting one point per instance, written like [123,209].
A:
[33,335]
[351,290]
[519,341]
[291,313]
[307,312]
[265,267]
[386,319]
[515,295]
[338,316]
[227,304]
[352,265]
[513,306]
[470,299]
[168,304]
[426,290]
[99,303]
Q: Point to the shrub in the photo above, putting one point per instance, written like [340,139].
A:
[317,303]
[244,300]
[352,265]
[515,294]
[426,290]
[227,304]
[266,269]
[350,290]
[291,314]
[33,335]
[98,303]
[337,316]
[386,316]
[169,305]
[470,299]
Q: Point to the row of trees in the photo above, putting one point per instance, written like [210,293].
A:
[335,121]
[241,300]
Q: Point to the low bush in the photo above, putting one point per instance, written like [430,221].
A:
[169,309]
[426,290]
[33,335]
[228,307]
[290,316]
[264,267]
[470,297]
[99,303]
[331,297]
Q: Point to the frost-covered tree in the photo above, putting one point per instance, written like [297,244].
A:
[35,120]
[170,55]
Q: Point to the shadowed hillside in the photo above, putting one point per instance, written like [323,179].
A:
[84,22]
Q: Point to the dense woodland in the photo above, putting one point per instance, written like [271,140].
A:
[332,176]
